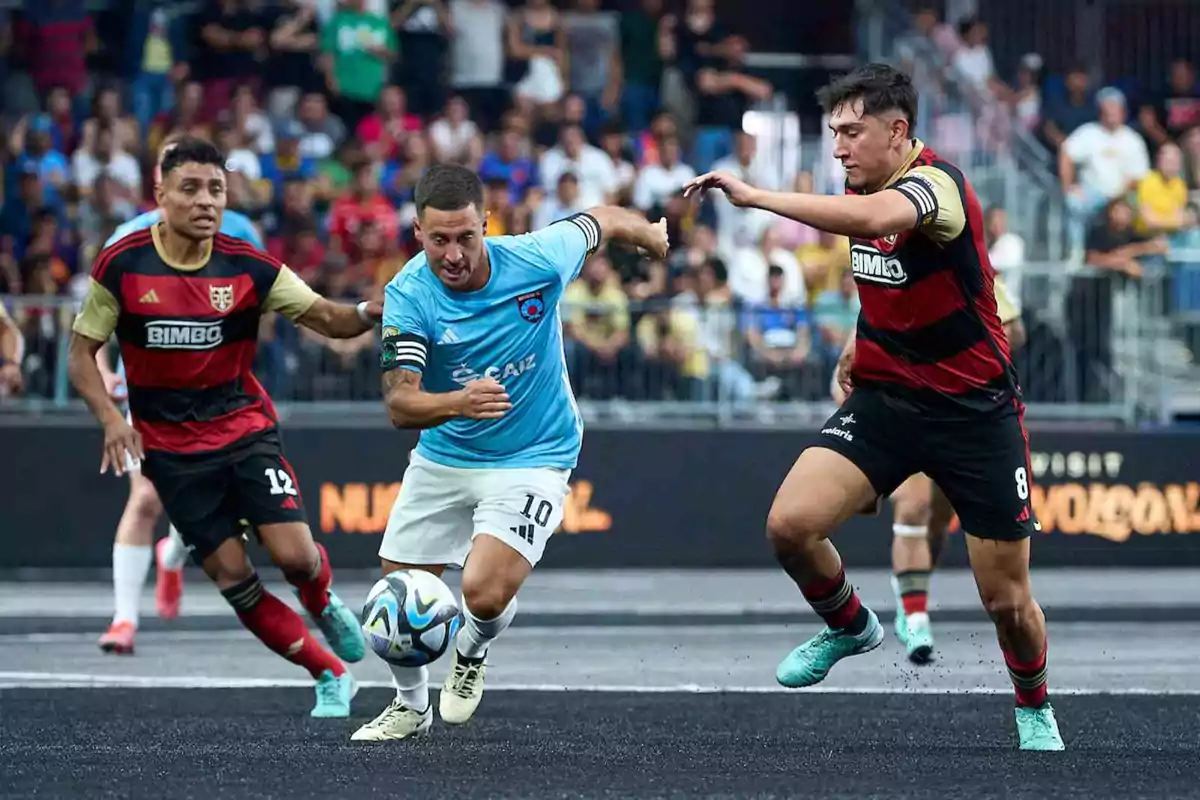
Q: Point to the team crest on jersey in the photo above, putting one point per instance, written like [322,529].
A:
[221,297]
[532,306]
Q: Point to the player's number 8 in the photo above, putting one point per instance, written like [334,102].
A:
[1022,483]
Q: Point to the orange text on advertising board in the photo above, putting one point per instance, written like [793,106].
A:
[364,508]
[1117,511]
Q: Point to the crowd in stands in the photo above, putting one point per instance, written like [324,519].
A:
[1127,156]
[329,113]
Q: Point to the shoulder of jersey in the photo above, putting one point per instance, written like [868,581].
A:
[121,250]
[412,273]
[234,248]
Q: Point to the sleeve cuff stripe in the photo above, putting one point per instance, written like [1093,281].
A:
[411,351]
[590,227]
[920,195]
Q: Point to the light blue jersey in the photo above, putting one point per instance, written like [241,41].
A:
[509,330]
[233,224]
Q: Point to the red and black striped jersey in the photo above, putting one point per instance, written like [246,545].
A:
[188,336]
[928,330]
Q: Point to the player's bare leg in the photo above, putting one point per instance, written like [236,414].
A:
[170,556]
[1002,574]
[278,627]
[912,567]
[941,514]
[823,490]
[409,714]
[493,574]
[132,555]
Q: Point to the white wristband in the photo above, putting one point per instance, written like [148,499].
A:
[362,313]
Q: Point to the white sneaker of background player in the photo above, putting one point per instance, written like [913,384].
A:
[396,722]
[462,691]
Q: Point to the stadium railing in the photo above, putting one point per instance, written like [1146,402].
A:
[1099,348]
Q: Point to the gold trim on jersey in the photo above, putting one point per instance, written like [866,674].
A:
[161,249]
[918,147]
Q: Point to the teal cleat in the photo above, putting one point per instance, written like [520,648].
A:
[918,639]
[342,630]
[1037,729]
[810,662]
[334,695]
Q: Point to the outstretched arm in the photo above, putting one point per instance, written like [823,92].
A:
[293,298]
[867,216]
[339,320]
[631,228]
[410,406]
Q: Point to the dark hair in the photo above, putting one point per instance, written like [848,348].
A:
[880,87]
[448,187]
[192,150]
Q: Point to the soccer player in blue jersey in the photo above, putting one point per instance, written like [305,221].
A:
[473,355]
[132,552]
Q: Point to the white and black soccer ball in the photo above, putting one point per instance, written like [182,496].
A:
[410,618]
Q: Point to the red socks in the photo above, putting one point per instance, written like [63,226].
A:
[280,628]
[837,603]
[1028,679]
[314,589]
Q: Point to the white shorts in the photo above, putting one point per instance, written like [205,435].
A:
[440,510]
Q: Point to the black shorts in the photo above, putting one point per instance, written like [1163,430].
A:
[982,465]
[211,497]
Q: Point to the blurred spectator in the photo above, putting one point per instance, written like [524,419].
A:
[1067,113]
[253,126]
[1162,195]
[287,163]
[1176,109]
[536,55]
[155,56]
[424,26]
[642,37]
[612,142]
[55,37]
[595,170]
[1006,250]
[1101,161]
[1026,98]
[723,93]
[477,57]
[384,130]
[106,111]
[248,191]
[357,49]
[596,316]
[508,163]
[748,271]
[564,202]
[779,338]
[35,149]
[323,132]
[835,315]
[677,365]
[593,41]
[362,205]
[658,183]
[455,137]
[295,42]
[185,117]
[232,43]
[741,227]
[104,157]
[1115,249]
[101,211]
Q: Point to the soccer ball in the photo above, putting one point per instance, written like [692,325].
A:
[410,618]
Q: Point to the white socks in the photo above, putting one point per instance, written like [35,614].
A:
[476,634]
[131,564]
[175,553]
[412,686]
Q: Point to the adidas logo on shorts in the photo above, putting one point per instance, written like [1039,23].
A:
[524,531]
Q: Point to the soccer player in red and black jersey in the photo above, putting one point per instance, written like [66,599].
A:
[931,389]
[184,302]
